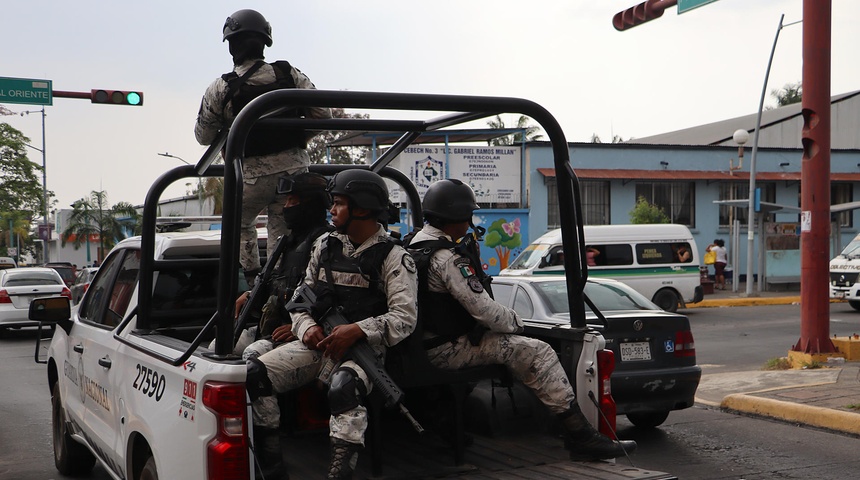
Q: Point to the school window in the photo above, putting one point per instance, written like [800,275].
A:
[675,198]
[842,193]
[741,190]
[594,195]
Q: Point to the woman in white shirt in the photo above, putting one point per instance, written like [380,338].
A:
[720,265]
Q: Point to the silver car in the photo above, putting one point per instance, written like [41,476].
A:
[19,286]
[655,356]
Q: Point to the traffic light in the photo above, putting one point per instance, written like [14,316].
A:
[117,97]
[639,14]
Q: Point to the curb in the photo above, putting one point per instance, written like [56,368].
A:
[836,420]
[745,302]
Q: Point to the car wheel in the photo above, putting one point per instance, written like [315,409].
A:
[667,300]
[647,419]
[70,457]
[148,472]
[854,304]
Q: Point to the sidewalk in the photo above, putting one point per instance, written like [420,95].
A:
[820,398]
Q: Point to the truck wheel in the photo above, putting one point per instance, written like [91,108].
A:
[647,419]
[667,300]
[148,472]
[854,304]
[70,457]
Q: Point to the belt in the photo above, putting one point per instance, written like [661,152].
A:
[431,343]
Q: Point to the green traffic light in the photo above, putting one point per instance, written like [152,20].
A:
[133,98]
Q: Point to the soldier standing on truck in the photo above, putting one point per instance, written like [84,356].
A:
[267,155]
[465,327]
[359,271]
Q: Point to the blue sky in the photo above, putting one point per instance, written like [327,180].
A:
[676,71]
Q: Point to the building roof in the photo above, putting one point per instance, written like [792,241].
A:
[720,133]
[710,175]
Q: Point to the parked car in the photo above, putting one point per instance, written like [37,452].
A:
[82,283]
[66,270]
[7,262]
[655,356]
[19,286]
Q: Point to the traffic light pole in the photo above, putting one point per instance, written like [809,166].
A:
[815,181]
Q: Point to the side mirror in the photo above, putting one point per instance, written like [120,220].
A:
[50,309]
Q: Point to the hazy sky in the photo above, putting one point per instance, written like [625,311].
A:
[677,71]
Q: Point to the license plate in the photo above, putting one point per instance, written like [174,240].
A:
[635,351]
[838,294]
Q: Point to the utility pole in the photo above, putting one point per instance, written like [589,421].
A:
[815,181]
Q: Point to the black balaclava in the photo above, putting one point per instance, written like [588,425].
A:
[246,46]
[309,212]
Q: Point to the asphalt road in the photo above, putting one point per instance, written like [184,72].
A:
[697,443]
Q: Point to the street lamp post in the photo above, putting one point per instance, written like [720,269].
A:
[741,137]
[46,227]
[199,181]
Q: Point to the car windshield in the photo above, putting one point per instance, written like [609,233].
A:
[607,297]
[530,257]
[31,278]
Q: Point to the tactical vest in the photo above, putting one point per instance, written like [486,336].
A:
[439,312]
[265,140]
[358,292]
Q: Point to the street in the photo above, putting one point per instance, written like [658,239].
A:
[700,442]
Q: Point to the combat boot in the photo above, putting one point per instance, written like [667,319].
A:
[585,442]
[267,449]
[344,456]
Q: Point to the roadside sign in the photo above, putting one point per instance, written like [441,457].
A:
[26,90]
[12,251]
[687,5]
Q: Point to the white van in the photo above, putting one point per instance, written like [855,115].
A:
[646,257]
[844,271]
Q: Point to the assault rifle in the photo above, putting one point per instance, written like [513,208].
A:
[360,352]
[258,297]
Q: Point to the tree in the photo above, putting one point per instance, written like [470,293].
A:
[645,212]
[615,138]
[213,187]
[94,217]
[503,236]
[531,131]
[339,155]
[20,189]
[790,93]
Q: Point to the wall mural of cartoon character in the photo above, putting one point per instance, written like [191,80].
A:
[503,236]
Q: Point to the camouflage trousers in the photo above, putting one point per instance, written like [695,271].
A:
[245,339]
[259,195]
[293,365]
[531,361]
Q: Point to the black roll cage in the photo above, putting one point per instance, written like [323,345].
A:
[460,110]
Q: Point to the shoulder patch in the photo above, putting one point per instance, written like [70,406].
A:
[475,284]
[460,262]
[408,263]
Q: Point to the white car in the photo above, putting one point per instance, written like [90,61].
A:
[19,286]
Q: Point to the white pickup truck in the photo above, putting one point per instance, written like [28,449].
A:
[132,382]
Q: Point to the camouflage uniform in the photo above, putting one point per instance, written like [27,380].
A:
[260,173]
[531,361]
[399,285]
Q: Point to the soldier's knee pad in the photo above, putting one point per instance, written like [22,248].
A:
[257,380]
[345,390]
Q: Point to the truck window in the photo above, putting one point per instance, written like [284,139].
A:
[185,296]
[652,253]
[610,254]
[111,293]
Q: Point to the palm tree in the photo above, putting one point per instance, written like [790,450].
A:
[528,130]
[213,187]
[94,217]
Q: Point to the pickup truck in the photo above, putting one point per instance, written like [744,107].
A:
[135,386]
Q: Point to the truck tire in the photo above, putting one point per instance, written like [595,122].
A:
[667,299]
[148,472]
[648,419]
[854,304]
[70,457]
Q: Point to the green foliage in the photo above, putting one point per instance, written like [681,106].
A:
[645,212]
[790,93]
[94,216]
[531,131]
[339,155]
[779,363]
[21,192]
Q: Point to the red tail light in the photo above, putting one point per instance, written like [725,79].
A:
[684,344]
[605,367]
[227,453]
[66,293]
[4,296]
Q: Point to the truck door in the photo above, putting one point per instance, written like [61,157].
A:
[103,310]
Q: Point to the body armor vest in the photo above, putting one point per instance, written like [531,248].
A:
[265,140]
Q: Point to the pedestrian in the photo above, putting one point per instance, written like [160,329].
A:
[268,155]
[465,327]
[361,272]
[719,248]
